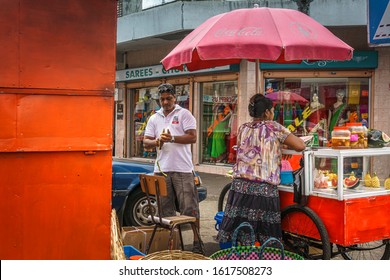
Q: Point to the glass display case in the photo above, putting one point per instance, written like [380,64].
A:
[344,202]
[347,173]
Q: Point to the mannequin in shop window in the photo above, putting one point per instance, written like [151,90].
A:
[217,132]
[269,88]
[337,111]
[150,104]
[316,122]
[288,110]
[232,139]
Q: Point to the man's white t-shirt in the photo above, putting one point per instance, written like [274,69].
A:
[172,157]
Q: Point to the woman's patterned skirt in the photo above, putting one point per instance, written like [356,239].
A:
[254,202]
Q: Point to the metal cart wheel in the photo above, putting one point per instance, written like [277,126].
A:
[376,250]
[223,197]
[304,233]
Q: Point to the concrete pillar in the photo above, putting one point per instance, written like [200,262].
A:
[381,106]
[246,88]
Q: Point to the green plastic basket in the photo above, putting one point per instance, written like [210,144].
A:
[252,252]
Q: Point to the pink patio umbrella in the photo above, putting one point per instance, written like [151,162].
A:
[257,35]
[286,97]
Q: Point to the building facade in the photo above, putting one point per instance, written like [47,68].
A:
[218,97]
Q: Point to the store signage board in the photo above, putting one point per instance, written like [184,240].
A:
[360,60]
[378,23]
[157,71]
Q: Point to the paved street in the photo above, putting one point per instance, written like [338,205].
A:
[208,209]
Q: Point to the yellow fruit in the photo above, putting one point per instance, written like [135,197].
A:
[375,181]
[352,176]
[387,183]
[367,180]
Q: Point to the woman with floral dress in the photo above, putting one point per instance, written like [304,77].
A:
[254,195]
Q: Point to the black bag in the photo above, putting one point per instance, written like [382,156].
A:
[300,197]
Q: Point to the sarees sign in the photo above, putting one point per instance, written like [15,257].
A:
[158,71]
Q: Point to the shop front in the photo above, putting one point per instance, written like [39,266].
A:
[201,92]
[310,99]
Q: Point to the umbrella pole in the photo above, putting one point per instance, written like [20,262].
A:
[257,76]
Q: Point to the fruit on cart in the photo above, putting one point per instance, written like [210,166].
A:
[320,181]
[367,180]
[375,181]
[332,177]
[334,182]
[351,181]
[350,184]
[387,183]
[385,137]
[377,138]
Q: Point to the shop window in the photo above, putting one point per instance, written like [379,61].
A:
[146,103]
[314,106]
[219,122]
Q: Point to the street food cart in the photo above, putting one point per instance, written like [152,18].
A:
[347,216]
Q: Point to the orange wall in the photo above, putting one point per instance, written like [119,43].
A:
[57,73]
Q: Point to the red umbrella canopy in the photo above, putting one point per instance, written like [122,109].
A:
[263,34]
[286,97]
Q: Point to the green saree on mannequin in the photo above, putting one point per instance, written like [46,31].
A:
[336,116]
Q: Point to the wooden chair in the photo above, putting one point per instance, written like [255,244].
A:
[153,185]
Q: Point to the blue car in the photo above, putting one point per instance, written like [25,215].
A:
[128,199]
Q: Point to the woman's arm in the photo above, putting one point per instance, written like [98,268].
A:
[295,143]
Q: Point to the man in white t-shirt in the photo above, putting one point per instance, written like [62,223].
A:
[174,157]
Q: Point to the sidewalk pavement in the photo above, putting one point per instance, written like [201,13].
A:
[214,184]
[208,209]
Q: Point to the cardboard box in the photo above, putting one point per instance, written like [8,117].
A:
[139,237]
